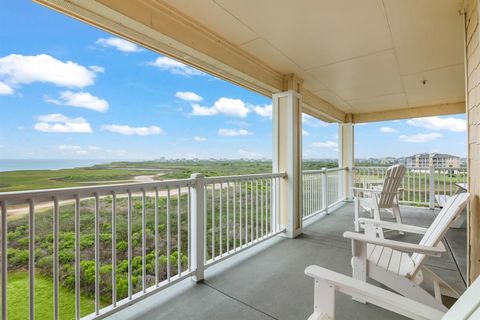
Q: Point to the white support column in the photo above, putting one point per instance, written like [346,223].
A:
[287,157]
[347,157]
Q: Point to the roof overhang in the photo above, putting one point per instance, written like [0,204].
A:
[168,29]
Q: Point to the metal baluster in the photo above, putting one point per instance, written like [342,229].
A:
[246,213]
[31,258]
[234,216]
[220,219]
[228,217]
[77,257]
[213,221]
[179,233]
[261,207]
[97,255]
[114,249]
[4,260]
[256,209]
[144,243]
[169,240]
[251,211]
[240,213]
[55,256]
[129,241]
[189,212]
[156,238]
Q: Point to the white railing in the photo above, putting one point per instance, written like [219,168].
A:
[121,243]
[322,189]
[419,186]
[240,211]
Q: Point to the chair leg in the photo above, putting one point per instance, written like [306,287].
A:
[359,265]
[398,217]
[405,287]
[439,285]
[376,216]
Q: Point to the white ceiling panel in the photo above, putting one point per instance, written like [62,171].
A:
[427,34]
[212,16]
[443,85]
[364,77]
[315,33]
[387,102]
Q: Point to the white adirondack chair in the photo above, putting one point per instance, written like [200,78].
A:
[390,263]
[376,199]
[327,282]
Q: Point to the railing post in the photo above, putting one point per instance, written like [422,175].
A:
[432,187]
[325,189]
[198,226]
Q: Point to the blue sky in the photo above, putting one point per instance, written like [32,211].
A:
[68,90]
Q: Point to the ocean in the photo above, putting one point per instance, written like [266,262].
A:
[45,164]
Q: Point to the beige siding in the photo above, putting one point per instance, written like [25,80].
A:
[473,113]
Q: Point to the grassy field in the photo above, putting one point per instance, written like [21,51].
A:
[117,172]
[44,179]
[18,299]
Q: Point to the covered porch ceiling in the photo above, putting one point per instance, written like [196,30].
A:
[359,61]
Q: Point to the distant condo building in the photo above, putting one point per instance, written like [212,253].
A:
[437,160]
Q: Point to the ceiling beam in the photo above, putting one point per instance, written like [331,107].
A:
[319,108]
[413,112]
[161,28]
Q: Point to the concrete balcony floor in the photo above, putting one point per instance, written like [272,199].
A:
[267,282]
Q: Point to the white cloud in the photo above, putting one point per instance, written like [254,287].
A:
[438,123]
[420,137]
[313,122]
[58,123]
[72,149]
[5,89]
[127,130]
[233,132]
[175,67]
[248,154]
[188,96]
[198,138]
[387,130]
[17,69]
[119,44]
[326,144]
[224,106]
[81,100]
[265,111]
[305,132]
[97,69]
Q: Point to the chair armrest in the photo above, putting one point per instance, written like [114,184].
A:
[397,245]
[366,190]
[372,294]
[394,226]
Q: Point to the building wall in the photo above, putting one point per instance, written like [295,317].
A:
[472,83]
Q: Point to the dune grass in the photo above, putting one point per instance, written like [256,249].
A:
[18,299]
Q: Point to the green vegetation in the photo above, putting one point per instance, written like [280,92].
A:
[45,179]
[120,172]
[18,298]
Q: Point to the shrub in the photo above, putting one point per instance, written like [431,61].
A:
[66,256]
[122,245]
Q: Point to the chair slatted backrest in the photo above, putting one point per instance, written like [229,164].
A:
[391,183]
[440,226]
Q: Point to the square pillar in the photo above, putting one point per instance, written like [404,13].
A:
[472,101]
[287,157]
[346,158]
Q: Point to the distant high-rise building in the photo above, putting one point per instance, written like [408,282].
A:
[437,160]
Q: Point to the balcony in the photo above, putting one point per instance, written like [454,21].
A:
[151,239]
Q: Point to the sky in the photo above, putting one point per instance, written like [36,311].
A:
[71,91]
